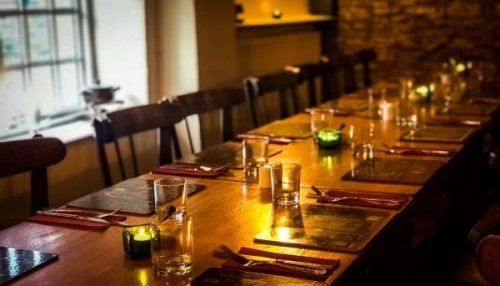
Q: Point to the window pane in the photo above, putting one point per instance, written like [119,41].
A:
[8,4]
[70,97]
[44,93]
[11,44]
[65,32]
[39,38]
[36,4]
[15,104]
[64,3]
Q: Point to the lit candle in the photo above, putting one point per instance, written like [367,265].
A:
[137,242]
[328,138]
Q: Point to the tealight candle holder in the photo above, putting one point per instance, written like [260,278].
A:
[329,138]
[137,241]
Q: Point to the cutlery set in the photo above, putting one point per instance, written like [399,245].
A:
[107,219]
[301,267]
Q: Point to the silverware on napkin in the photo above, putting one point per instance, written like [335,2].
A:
[311,269]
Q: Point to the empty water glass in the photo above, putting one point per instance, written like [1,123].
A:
[285,183]
[254,153]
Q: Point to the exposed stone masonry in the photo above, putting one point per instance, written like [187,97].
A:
[409,34]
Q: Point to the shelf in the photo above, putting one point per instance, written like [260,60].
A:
[290,20]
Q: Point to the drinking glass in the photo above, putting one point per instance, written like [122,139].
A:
[170,196]
[172,246]
[361,141]
[171,230]
[254,153]
[321,119]
[285,183]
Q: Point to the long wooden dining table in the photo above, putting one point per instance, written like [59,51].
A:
[230,211]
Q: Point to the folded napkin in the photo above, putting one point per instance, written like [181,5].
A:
[454,122]
[363,199]
[332,264]
[485,100]
[272,140]
[334,110]
[193,170]
[69,221]
[415,151]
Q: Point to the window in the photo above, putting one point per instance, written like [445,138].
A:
[44,63]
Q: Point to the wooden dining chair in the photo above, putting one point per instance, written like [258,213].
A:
[256,88]
[327,72]
[32,155]
[349,66]
[204,101]
[130,121]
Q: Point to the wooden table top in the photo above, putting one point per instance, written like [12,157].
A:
[228,211]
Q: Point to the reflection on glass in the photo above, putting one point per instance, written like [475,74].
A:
[11,44]
[39,38]
[287,223]
[66,40]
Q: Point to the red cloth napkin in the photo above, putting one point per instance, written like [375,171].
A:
[485,100]
[192,170]
[454,122]
[67,221]
[400,199]
[416,151]
[276,269]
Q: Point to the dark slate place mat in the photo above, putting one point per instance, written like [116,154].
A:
[222,154]
[467,109]
[395,171]
[438,134]
[292,130]
[229,277]
[354,105]
[327,227]
[16,262]
[134,196]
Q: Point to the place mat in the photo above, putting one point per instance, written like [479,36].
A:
[395,171]
[364,199]
[329,227]
[16,262]
[438,134]
[467,109]
[281,128]
[134,196]
[229,277]
[192,170]
[332,264]
[229,153]
[353,105]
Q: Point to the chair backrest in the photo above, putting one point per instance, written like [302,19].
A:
[204,101]
[488,258]
[348,64]
[33,155]
[127,122]
[283,82]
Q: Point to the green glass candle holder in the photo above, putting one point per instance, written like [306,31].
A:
[137,241]
[329,138]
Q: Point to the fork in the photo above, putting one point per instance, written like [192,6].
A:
[243,261]
[376,201]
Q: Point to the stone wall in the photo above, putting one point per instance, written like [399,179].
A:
[410,34]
